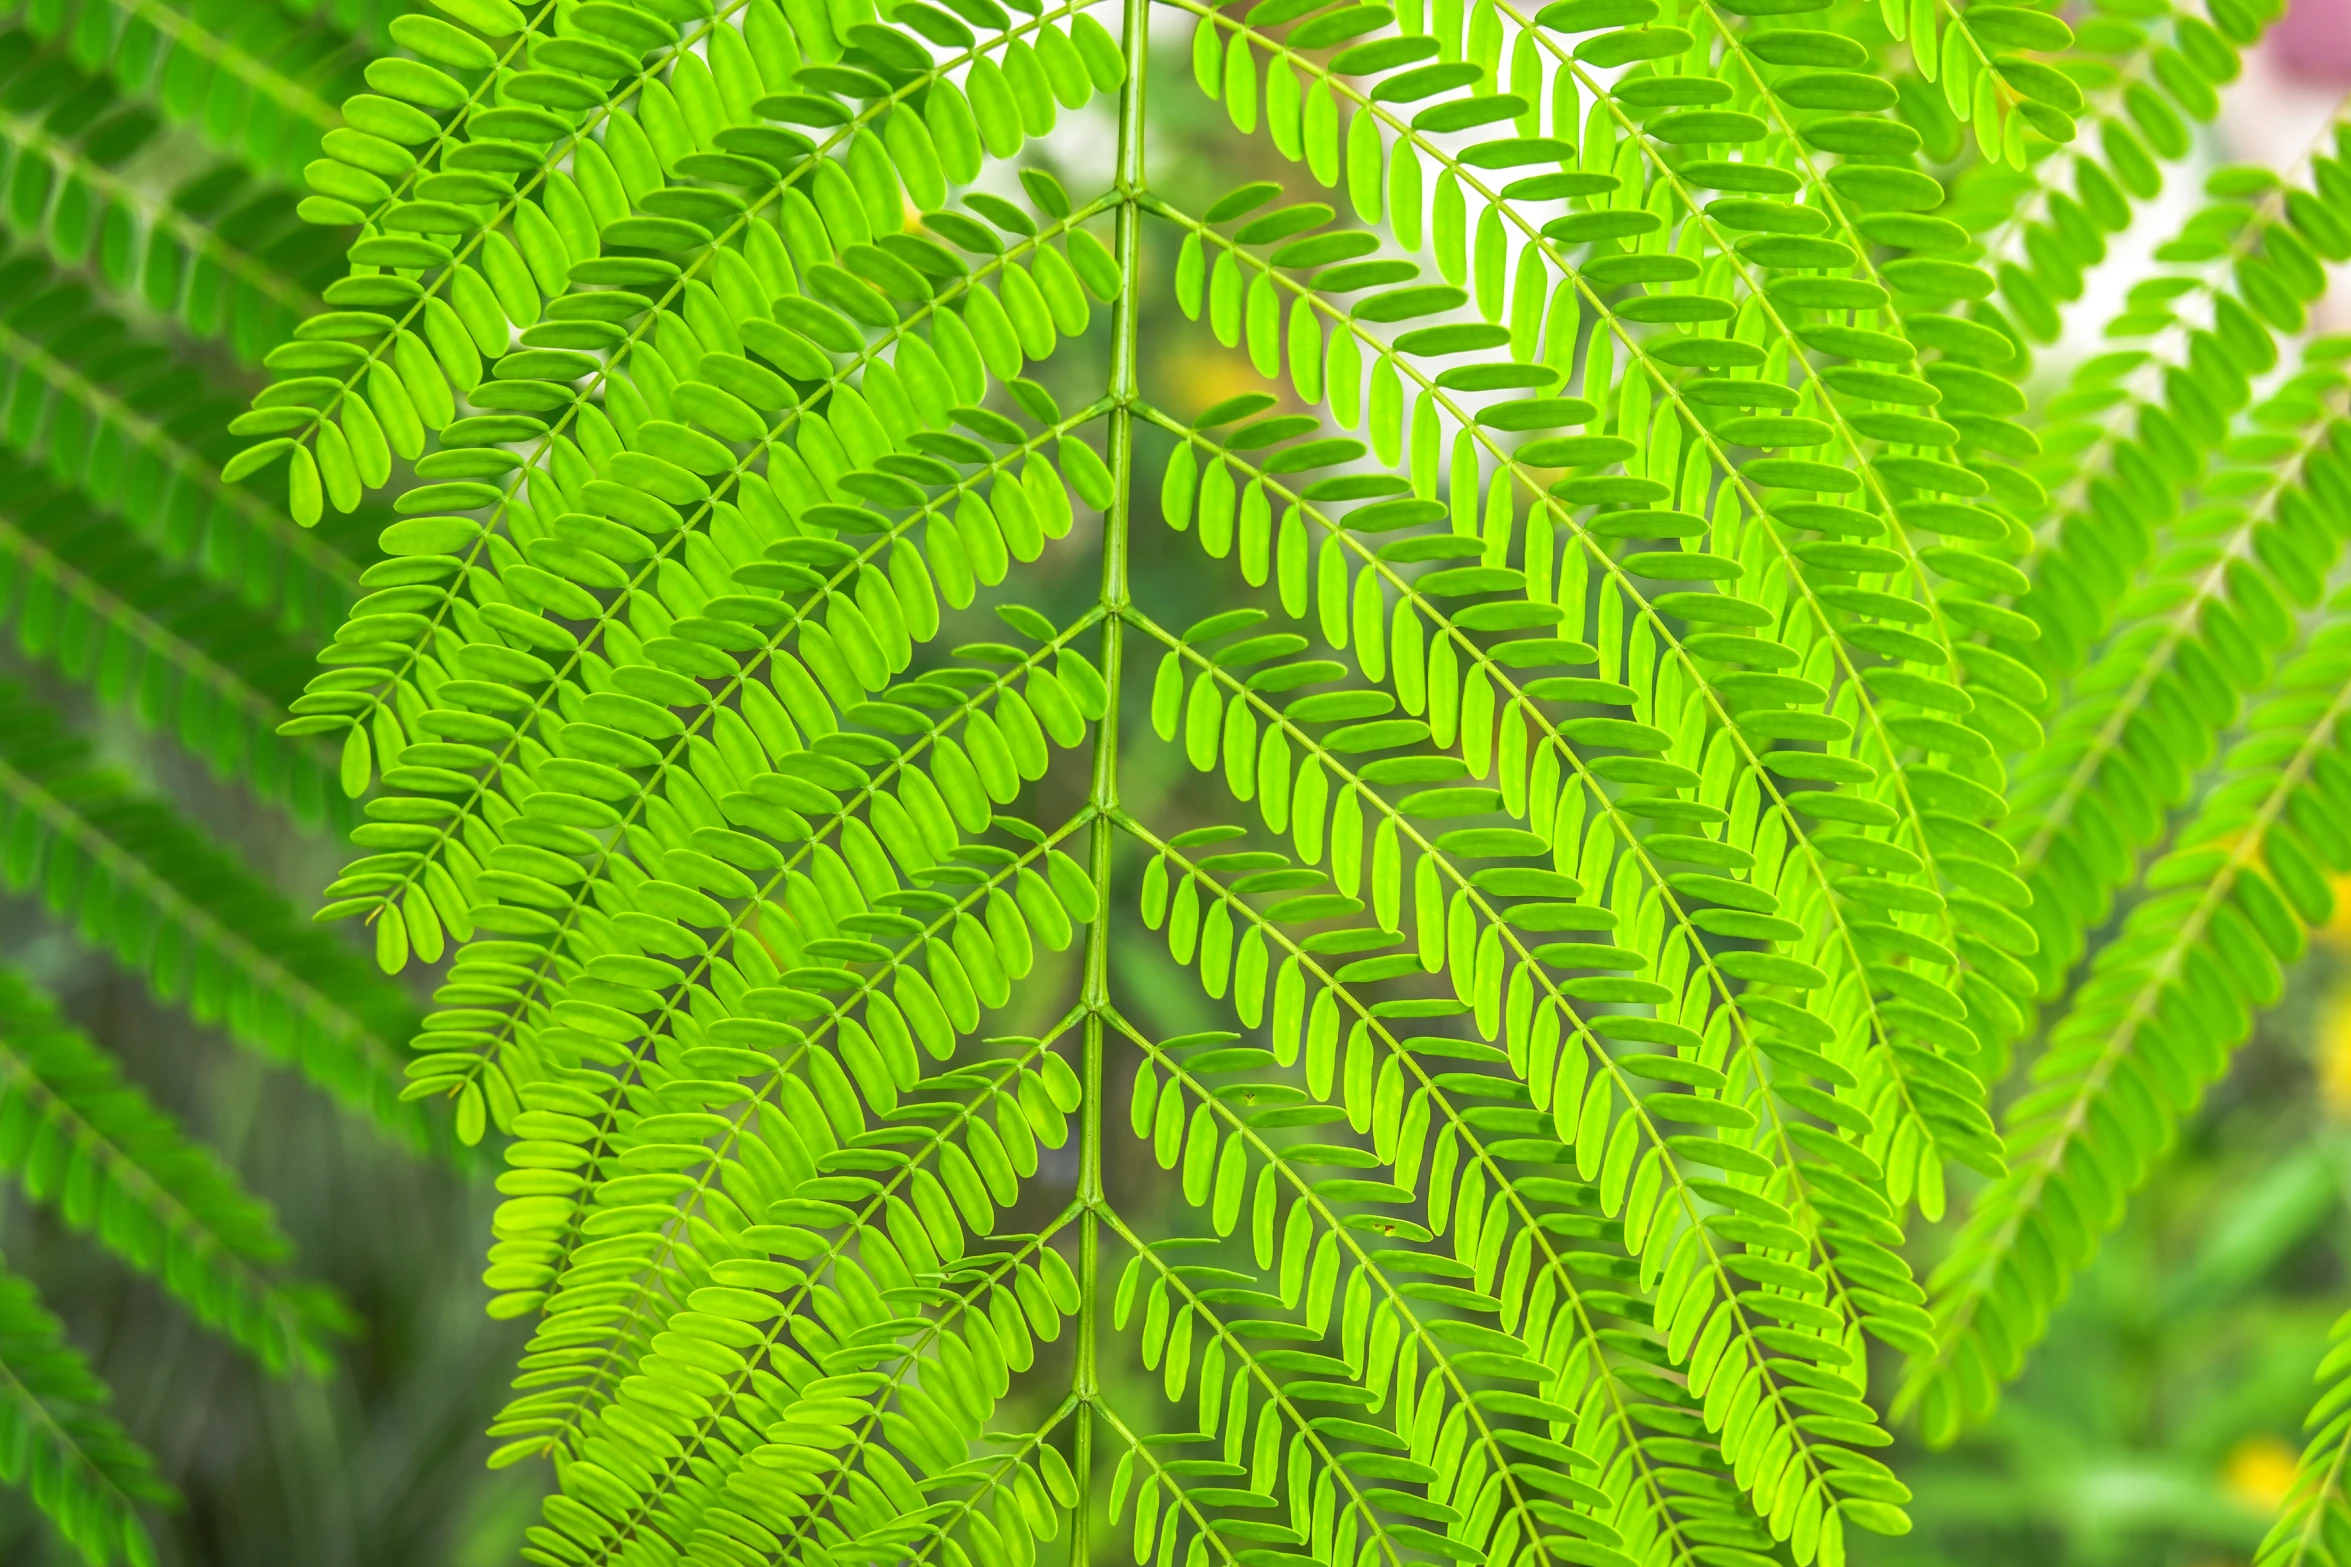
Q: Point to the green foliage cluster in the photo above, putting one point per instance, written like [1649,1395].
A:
[1693,767]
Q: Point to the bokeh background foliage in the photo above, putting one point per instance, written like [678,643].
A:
[240,1320]
[236,1320]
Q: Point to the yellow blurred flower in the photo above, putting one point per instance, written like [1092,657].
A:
[2334,1013]
[2259,1471]
[2338,930]
[2334,1052]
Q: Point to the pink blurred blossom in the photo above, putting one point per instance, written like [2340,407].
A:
[2313,42]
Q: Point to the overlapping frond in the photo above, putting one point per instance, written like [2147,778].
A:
[2193,638]
[2152,1024]
[177,653]
[58,1440]
[218,252]
[250,79]
[2136,428]
[1697,433]
[81,1138]
[119,417]
[136,882]
[677,525]
[1462,685]
[2314,1521]
[387,368]
[2147,75]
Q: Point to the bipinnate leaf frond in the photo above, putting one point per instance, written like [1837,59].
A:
[1631,585]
